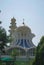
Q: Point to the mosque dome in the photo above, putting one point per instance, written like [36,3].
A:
[21,40]
[24,37]
[23,29]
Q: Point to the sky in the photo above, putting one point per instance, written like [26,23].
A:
[31,10]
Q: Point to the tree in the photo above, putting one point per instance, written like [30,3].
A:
[42,55]
[40,43]
[39,58]
[14,52]
[0,22]
[3,39]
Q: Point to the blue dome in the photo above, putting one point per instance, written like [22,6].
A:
[24,43]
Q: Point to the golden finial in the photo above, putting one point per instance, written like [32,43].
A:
[23,22]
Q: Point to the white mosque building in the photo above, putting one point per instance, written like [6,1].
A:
[21,40]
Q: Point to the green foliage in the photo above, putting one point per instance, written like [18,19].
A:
[39,59]
[22,62]
[3,39]
[14,52]
[0,22]
[40,43]
[42,55]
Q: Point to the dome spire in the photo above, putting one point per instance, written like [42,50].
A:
[23,19]
[23,22]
